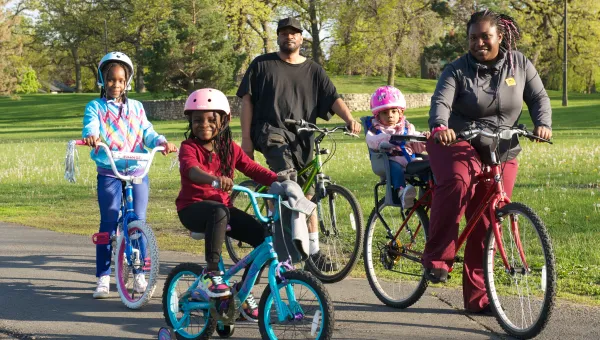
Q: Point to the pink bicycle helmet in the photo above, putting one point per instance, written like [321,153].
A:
[387,97]
[207,100]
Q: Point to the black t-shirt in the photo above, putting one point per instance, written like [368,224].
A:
[280,90]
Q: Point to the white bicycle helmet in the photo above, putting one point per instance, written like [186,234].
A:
[119,57]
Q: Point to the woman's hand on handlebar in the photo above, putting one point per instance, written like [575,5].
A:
[542,132]
[169,147]
[445,137]
[92,140]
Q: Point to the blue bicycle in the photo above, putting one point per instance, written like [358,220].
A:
[134,246]
[294,304]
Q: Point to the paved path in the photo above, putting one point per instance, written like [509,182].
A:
[47,279]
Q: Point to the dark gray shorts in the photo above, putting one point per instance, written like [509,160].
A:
[280,156]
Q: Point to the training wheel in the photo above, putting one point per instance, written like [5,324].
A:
[166,334]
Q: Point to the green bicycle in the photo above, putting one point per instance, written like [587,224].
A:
[340,218]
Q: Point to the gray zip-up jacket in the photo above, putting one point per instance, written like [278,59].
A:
[468,91]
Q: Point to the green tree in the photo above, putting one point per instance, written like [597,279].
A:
[28,82]
[11,45]
[193,50]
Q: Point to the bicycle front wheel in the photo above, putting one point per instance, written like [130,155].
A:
[522,295]
[178,307]
[136,281]
[393,265]
[340,234]
[237,250]
[307,304]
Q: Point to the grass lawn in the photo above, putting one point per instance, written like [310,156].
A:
[561,182]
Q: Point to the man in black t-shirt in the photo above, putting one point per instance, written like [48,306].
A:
[285,85]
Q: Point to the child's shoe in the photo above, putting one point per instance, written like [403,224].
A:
[103,287]
[139,283]
[407,196]
[212,285]
[249,310]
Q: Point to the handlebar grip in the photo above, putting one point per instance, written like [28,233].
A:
[80,142]
[293,121]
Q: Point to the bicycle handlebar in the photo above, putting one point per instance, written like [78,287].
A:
[408,138]
[306,126]
[136,156]
[253,195]
[506,134]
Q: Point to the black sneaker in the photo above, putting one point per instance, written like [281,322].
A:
[436,275]
[323,262]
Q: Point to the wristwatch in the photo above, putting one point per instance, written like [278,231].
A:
[216,184]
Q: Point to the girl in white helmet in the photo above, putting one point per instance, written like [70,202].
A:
[120,123]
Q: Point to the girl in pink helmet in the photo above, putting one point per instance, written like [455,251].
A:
[121,123]
[207,159]
[388,105]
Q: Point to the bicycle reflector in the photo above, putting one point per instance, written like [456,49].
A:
[101,238]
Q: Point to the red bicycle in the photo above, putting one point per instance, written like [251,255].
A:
[519,265]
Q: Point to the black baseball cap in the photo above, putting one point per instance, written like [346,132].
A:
[289,22]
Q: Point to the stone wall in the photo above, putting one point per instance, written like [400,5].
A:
[173,109]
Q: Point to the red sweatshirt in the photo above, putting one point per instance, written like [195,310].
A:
[192,154]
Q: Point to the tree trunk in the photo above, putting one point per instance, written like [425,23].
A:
[424,70]
[267,45]
[140,86]
[314,32]
[78,84]
[392,70]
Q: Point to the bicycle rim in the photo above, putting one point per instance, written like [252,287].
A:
[142,241]
[393,268]
[340,234]
[176,299]
[521,299]
[308,302]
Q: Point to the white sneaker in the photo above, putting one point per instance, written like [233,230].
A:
[139,283]
[408,196]
[103,287]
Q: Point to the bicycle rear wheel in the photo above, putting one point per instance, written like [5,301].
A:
[237,250]
[195,324]
[393,267]
[521,297]
[144,262]
[340,234]
[309,306]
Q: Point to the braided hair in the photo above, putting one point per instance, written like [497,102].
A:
[222,144]
[105,71]
[505,24]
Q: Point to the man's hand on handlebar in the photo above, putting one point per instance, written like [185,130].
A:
[445,137]
[354,127]
[542,132]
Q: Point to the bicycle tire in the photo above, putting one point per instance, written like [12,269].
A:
[379,277]
[237,250]
[296,280]
[332,245]
[539,255]
[126,285]
[191,271]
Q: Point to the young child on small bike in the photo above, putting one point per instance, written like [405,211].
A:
[120,123]
[388,106]
[207,159]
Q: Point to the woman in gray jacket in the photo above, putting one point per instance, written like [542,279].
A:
[487,85]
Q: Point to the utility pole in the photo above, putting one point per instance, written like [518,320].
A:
[565,100]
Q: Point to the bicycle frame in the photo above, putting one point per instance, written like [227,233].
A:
[261,255]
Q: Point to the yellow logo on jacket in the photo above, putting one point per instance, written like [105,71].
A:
[510,81]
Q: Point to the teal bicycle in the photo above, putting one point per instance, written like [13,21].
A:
[294,304]
[340,218]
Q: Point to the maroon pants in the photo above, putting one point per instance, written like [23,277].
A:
[457,193]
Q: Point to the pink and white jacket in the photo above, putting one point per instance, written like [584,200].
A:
[374,139]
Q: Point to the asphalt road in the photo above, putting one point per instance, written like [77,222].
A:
[47,279]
